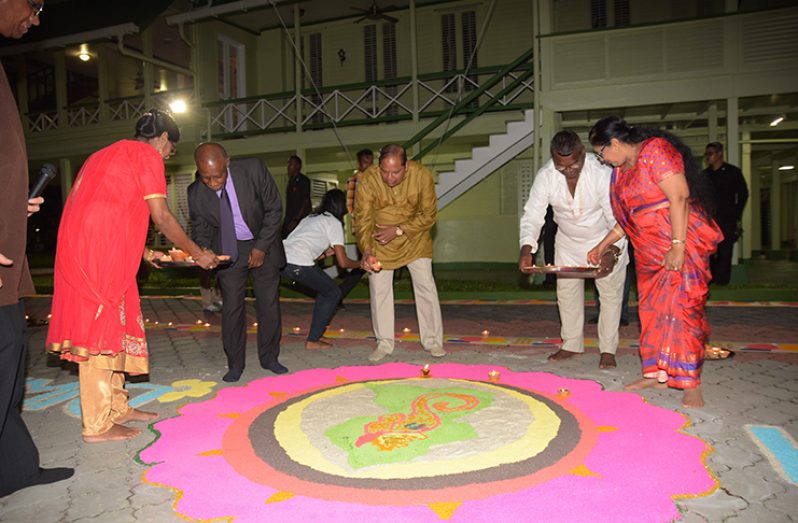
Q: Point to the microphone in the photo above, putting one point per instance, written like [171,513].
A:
[46,173]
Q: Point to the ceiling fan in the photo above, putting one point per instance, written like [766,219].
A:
[375,13]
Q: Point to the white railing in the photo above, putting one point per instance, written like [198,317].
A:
[44,121]
[85,115]
[359,104]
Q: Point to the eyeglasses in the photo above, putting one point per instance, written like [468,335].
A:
[37,7]
[600,152]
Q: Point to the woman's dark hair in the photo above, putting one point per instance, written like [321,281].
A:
[154,123]
[701,191]
[333,202]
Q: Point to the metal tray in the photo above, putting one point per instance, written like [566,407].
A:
[192,263]
[564,270]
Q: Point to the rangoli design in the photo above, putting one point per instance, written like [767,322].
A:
[366,442]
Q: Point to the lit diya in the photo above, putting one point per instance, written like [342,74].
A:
[425,372]
[712,352]
[494,375]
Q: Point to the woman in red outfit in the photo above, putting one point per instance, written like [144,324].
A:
[96,316]
[663,203]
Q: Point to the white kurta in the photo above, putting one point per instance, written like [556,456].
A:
[582,219]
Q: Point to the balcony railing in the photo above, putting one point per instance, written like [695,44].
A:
[366,103]
[382,101]
[92,113]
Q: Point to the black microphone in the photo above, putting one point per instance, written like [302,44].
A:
[47,173]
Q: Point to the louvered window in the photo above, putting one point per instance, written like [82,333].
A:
[389,62]
[389,50]
[314,64]
[622,15]
[449,40]
[318,188]
[598,14]
[469,21]
[370,52]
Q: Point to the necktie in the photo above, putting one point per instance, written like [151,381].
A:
[227,227]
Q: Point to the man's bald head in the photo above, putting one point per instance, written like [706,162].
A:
[212,164]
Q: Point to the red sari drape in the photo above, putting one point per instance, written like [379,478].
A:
[96,312]
[671,304]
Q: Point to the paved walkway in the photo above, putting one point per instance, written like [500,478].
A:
[750,389]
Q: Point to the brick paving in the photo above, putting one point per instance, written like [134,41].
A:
[749,389]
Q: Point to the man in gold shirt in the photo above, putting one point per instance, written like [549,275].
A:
[395,209]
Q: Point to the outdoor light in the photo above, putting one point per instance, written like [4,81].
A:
[178,106]
[786,168]
[84,53]
[777,121]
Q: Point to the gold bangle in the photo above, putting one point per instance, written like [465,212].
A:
[618,231]
[677,242]
[150,255]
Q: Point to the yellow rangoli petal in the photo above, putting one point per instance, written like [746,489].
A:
[445,511]
[280,496]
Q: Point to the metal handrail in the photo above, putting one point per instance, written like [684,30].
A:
[473,95]
[481,109]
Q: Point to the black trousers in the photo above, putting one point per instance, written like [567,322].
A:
[266,285]
[19,457]
[720,263]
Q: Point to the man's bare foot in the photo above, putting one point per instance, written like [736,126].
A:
[115,433]
[645,383]
[693,398]
[561,355]
[315,345]
[136,415]
[607,361]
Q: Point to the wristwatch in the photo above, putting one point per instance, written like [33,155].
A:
[399,231]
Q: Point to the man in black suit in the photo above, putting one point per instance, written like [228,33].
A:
[731,195]
[235,209]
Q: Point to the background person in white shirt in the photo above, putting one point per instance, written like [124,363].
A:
[319,235]
[577,186]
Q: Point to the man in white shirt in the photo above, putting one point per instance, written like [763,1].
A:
[577,186]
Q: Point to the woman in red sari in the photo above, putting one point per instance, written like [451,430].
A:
[663,203]
[96,316]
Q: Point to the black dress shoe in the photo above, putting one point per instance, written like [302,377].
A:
[624,323]
[276,367]
[44,477]
[232,375]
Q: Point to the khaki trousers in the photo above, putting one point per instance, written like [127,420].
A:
[571,302]
[103,398]
[428,308]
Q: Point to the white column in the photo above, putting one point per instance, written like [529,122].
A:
[712,122]
[103,66]
[298,68]
[745,245]
[775,208]
[542,25]
[752,216]
[65,169]
[22,90]
[733,130]
[149,71]
[414,60]
[61,97]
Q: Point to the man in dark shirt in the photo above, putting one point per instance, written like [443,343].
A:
[297,196]
[731,194]
[19,457]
